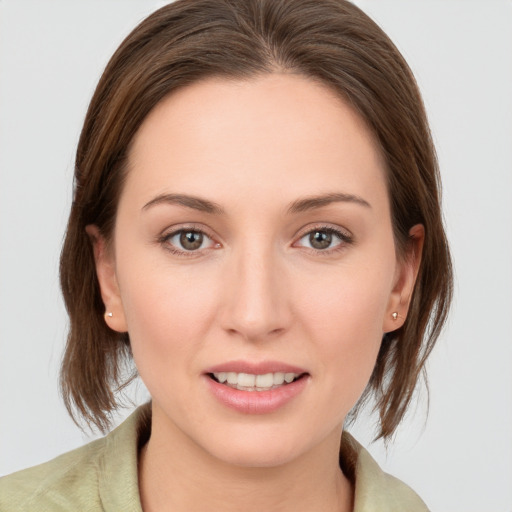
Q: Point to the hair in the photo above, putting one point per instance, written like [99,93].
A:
[330,41]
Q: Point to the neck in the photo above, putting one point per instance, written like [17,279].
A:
[176,474]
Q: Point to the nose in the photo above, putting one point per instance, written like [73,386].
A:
[255,301]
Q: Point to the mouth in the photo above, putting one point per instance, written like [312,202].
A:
[256,387]
[256,382]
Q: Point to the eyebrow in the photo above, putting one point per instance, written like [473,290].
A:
[313,202]
[196,203]
[298,206]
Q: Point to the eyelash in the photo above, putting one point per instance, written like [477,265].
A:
[164,240]
[345,239]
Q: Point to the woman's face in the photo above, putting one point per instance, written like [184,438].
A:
[253,238]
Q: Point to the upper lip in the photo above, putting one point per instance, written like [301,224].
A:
[255,368]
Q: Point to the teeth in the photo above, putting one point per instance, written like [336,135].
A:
[222,376]
[264,381]
[250,382]
[288,377]
[246,380]
[278,378]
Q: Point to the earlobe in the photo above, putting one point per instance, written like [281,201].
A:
[107,279]
[405,279]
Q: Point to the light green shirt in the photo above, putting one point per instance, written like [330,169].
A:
[102,476]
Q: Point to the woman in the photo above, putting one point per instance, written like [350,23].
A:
[256,222]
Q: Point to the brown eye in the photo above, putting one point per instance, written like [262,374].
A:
[325,240]
[320,239]
[187,241]
[191,240]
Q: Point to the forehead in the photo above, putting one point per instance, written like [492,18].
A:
[279,131]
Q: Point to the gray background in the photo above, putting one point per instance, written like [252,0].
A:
[51,55]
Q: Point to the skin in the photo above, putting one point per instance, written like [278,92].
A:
[256,289]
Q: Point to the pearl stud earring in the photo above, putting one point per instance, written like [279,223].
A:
[394,315]
[109,314]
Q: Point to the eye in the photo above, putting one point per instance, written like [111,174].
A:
[187,241]
[325,239]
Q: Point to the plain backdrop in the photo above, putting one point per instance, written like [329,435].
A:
[51,55]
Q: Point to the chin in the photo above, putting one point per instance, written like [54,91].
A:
[258,456]
[258,447]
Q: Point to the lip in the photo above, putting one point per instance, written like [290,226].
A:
[256,402]
[260,368]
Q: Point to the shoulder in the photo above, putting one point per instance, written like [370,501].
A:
[60,484]
[376,490]
[101,475]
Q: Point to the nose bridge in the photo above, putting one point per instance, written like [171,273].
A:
[256,304]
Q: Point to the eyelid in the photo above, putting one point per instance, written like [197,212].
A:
[343,234]
[346,238]
[172,231]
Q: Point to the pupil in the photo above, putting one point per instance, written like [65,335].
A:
[320,239]
[191,240]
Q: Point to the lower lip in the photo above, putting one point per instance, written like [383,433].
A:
[256,402]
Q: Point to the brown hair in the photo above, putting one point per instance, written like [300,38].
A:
[331,41]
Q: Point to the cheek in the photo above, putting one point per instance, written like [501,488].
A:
[167,311]
[344,314]
[350,301]
[167,321]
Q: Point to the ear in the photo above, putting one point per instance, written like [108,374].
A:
[405,278]
[105,271]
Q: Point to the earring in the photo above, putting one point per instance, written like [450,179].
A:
[394,315]
[109,314]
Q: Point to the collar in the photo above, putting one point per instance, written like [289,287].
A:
[375,490]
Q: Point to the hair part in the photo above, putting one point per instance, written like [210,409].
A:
[330,41]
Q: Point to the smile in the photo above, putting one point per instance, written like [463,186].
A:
[256,388]
[254,382]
